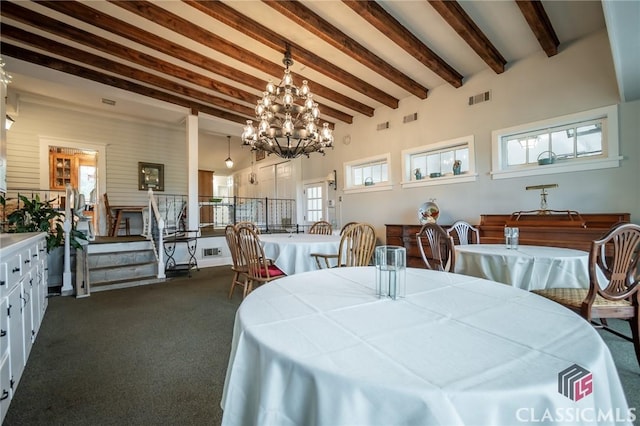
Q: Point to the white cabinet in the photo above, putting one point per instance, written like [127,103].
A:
[5,377]
[23,301]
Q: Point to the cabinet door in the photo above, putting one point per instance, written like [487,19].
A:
[4,281]
[27,312]
[16,334]
[5,386]
[5,377]
[36,299]
[4,324]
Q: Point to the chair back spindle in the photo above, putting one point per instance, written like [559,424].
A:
[322,227]
[465,232]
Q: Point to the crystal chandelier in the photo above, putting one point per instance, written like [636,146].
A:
[288,120]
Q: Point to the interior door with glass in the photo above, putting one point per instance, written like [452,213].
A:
[315,200]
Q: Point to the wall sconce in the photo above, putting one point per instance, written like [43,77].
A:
[332,180]
[8,122]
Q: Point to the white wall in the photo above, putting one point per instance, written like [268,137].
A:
[125,142]
[580,77]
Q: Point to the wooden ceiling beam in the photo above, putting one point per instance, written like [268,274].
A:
[373,13]
[77,55]
[312,22]
[537,18]
[91,16]
[462,23]
[77,70]
[45,23]
[186,28]
[269,38]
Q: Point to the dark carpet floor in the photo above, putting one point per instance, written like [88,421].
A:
[148,355]
[156,355]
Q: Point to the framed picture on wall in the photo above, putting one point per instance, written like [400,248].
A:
[150,175]
[260,154]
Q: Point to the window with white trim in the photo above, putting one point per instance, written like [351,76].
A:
[371,173]
[582,141]
[439,163]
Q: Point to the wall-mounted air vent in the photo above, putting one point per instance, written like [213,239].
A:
[383,126]
[108,101]
[482,97]
[208,252]
[409,118]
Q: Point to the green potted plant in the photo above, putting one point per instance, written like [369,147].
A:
[40,216]
[35,215]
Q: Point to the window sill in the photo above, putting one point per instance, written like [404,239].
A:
[373,188]
[558,167]
[443,180]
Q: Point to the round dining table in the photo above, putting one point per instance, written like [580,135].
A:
[292,252]
[527,267]
[320,348]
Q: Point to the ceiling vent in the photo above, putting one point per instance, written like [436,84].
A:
[482,97]
[409,118]
[383,126]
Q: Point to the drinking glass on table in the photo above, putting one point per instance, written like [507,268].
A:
[515,234]
[507,237]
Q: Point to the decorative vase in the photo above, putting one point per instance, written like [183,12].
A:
[456,167]
[428,212]
[418,174]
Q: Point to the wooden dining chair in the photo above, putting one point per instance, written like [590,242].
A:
[436,247]
[323,260]
[614,283]
[357,244]
[111,220]
[239,267]
[321,227]
[259,269]
[251,225]
[465,233]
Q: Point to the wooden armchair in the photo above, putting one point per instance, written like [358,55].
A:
[322,227]
[616,256]
[357,243]
[436,247]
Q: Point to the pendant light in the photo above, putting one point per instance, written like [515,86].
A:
[253,177]
[229,161]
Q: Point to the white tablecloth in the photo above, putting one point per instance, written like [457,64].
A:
[321,349]
[528,267]
[292,252]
